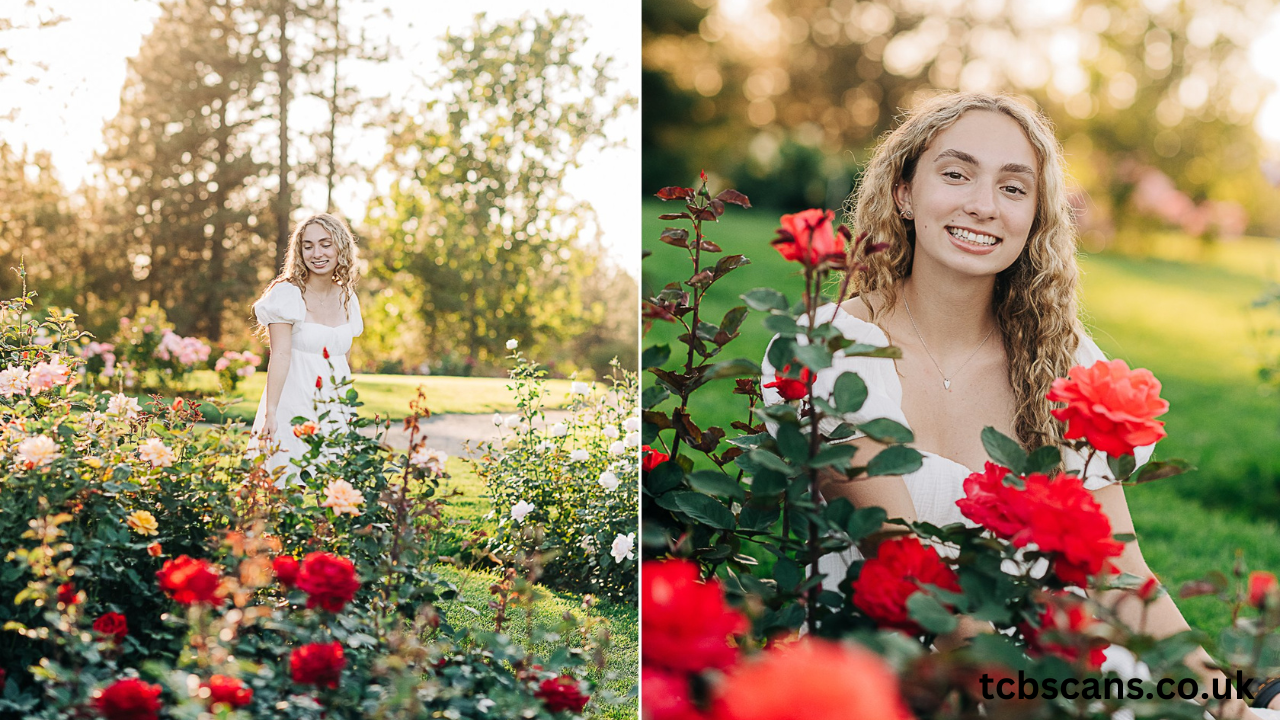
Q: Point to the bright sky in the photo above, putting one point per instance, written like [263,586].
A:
[65,110]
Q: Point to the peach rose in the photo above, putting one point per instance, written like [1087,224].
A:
[1111,406]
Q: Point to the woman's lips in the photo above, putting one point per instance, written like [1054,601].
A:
[972,247]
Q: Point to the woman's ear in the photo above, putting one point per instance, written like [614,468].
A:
[902,199]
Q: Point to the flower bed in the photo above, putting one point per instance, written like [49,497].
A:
[155,570]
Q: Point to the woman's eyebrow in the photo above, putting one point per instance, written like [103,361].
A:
[965,157]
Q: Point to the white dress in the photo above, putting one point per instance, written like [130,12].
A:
[307,364]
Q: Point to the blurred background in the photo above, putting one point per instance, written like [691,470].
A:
[1169,116]
[155,153]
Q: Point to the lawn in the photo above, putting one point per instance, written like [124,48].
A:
[1184,313]
[388,395]
[622,658]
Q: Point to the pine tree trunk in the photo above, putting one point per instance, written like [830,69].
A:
[284,71]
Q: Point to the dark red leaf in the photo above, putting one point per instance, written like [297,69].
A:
[675,192]
[675,236]
[704,214]
[674,216]
[708,246]
[716,207]
[735,197]
[702,279]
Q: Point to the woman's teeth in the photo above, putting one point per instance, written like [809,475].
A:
[973,237]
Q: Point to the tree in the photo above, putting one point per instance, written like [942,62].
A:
[476,227]
[179,164]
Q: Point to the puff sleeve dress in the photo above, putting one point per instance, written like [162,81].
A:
[309,386]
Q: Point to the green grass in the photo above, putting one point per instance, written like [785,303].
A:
[387,395]
[1183,312]
[622,659]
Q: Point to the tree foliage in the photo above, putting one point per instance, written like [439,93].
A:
[476,227]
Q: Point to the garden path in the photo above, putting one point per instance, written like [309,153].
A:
[449,431]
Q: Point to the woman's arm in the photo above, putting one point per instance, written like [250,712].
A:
[1162,618]
[280,352]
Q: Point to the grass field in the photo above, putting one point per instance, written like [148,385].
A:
[388,395]
[1184,314]
[621,670]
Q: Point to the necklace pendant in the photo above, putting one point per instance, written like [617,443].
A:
[946,384]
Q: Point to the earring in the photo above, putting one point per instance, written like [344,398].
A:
[906,214]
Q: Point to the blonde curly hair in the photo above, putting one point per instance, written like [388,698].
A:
[344,273]
[1035,298]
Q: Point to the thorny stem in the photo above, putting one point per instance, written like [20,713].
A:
[692,327]
[814,439]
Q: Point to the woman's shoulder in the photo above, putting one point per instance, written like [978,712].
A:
[282,302]
[1087,351]
[854,320]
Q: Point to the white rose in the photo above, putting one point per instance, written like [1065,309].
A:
[617,448]
[623,546]
[609,481]
[511,420]
[512,344]
[497,419]
[632,424]
[521,509]
[559,430]
[632,439]
[611,432]
[544,446]
[579,456]
[580,388]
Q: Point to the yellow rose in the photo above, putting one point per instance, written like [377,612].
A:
[143,523]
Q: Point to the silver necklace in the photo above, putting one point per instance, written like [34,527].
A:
[946,381]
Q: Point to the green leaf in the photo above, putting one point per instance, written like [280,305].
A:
[759,518]
[1044,460]
[787,573]
[653,396]
[765,299]
[738,367]
[766,459]
[865,521]
[887,431]
[733,320]
[767,483]
[1004,450]
[655,356]
[706,509]
[895,460]
[793,444]
[1160,469]
[850,392]
[929,614]
[782,325]
[781,352]
[872,351]
[814,357]
[664,478]
[1122,467]
[834,455]
[716,483]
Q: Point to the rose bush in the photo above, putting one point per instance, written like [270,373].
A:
[151,568]
[743,511]
[568,490]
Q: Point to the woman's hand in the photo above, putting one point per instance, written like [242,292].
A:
[268,431]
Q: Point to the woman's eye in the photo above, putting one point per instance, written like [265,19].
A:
[1015,190]
[953,175]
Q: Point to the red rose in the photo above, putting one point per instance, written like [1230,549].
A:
[113,624]
[189,581]
[228,690]
[790,388]
[328,580]
[1111,406]
[319,382]
[650,458]
[665,696]
[1064,519]
[561,693]
[986,501]
[810,237]
[67,594]
[317,664]
[325,352]
[129,699]
[900,567]
[812,678]
[1057,514]
[1063,631]
[286,569]
[686,622]
[1261,584]
[1148,589]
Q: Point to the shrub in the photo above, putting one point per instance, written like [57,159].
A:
[569,490]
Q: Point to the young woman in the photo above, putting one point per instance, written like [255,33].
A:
[311,314]
[977,286]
